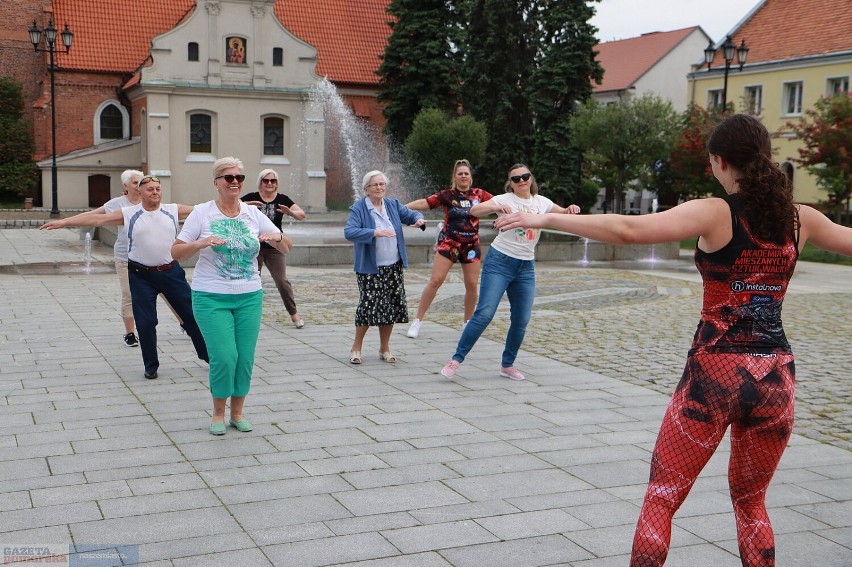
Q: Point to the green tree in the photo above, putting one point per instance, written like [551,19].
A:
[826,131]
[419,62]
[523,80]
[498,52]
[437,141]
[18,171]
[561,75]
[689,173]
[624,140]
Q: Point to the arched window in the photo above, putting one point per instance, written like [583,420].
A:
[111,122]
[200,133]
[192,51]
[277,57]
[273,136]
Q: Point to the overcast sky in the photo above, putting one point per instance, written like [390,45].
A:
[623,19]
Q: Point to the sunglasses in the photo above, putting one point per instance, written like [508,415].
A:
[269,181]
[149,178]
[519,178]
[230,178]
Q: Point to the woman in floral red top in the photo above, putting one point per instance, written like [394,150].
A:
[458,240]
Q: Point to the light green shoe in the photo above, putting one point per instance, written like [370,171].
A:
[242,424]
[218,428]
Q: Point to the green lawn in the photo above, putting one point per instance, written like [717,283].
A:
[810,254]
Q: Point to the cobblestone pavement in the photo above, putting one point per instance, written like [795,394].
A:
[623,324]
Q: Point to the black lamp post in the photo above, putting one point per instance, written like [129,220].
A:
[728,52]
[50,40]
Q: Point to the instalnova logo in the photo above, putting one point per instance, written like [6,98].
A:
[738,286]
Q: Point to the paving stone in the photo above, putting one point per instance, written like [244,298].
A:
[347,461]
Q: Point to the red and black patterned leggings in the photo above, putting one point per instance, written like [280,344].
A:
[754,394]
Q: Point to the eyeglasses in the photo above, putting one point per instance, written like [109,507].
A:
[522,177]
[149,178]
[230,178]
[269,181]
[378,184]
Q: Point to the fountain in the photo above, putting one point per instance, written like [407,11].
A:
[87,253]
[361,142]
[364,148]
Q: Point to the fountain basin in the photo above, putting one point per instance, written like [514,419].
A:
[319,241]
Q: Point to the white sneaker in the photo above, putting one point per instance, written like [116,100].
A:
[414,329]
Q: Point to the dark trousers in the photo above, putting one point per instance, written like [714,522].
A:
[276,262]
[144,288]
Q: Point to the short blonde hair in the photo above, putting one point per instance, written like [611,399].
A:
[264,173]
[224,163]
[369,175]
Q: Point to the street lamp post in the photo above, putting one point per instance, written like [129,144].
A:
[728,52]
[50,40]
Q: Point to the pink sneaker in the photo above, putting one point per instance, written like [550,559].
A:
[450,368]
[512,373]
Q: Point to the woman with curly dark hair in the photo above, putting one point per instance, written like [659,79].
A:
[740,370]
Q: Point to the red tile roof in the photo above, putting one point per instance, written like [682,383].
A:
[626,60]
[115,35]
[787,29]
[350,35]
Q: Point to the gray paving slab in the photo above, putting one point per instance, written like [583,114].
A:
[384,465]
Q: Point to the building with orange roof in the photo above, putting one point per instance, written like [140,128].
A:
[656,63]
[798,51]
[170,85]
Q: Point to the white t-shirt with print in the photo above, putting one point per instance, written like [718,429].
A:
[120,248]
[150,234]
[232,267]
[519,243]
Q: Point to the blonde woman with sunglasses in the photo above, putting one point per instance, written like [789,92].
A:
[275,205]
[509,268]
[458,240]
[227,295]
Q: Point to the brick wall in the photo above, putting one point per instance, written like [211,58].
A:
[18,59]
[78,96]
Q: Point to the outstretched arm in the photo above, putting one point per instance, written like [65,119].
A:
[293,210]
[701,217]
[89,218]
[822,232]
[569,210]
[419,205]
[489,207]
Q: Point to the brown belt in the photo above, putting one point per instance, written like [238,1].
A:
[162,268]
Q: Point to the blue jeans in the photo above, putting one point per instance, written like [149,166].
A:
[144,288]
[501,274]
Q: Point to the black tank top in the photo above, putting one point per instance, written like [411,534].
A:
[744,287]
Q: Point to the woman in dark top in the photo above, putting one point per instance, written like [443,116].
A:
[740,370]
[275,205]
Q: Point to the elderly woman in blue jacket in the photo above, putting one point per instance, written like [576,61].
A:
[375,226]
